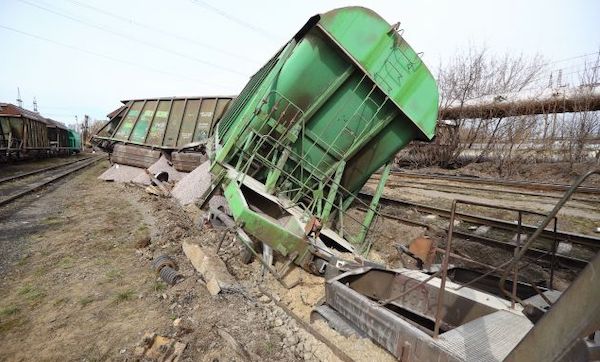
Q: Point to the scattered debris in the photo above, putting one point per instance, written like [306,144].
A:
[482,230]
[164,166]
[159,348]
[237,346]
[210,266]
[170,275]
[564,248]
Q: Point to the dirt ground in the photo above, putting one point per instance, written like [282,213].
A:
[76,281]
[76,286]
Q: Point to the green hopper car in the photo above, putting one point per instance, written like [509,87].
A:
[334,105]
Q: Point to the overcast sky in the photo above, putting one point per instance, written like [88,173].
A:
[84,56]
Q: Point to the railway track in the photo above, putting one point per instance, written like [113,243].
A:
[17,186]
[539,186]
[501,230]
[41,170]
[467,189]
[536,253]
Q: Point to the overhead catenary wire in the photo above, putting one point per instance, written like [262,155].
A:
[234,19]
[161,31]
[125,36]
[96,54]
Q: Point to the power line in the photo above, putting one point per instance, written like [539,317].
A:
[236,20]
[149,44]
[155,29]
[136,65]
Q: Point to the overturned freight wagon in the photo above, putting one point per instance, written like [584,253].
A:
[138,132]
[334,105]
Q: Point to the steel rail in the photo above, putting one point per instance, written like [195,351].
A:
[498,182]
[35,172]
[532,252]
[580,239]
[439,187]
[28,190]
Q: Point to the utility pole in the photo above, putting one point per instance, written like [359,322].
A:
[19,100]
[35,109]
[86,120]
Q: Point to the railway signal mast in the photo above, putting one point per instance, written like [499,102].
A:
[19,100]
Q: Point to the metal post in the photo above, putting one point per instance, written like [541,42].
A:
[545,222]
[515,269]
[374,202]
[333,191]
[441,295]
[553,262]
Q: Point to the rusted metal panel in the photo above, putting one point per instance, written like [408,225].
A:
[23,130]
[477,326]
[187,161]
[167,123]
[135,155]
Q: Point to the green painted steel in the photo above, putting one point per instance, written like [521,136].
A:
[335,104]
[347,88]
[282,238]
[168,123]
[74,140]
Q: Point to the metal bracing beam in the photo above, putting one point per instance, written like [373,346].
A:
[575,315]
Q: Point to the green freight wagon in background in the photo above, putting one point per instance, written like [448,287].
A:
[334,105]
[74,141]
[141,130]
[165,123]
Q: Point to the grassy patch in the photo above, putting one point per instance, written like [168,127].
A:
[22,261]
[61,301]
[52,220]
[269,346]
[66,263]
[9,311]
[31,293]
[113,275]
[159,286]
[9,324]
[86,300]
[124,296]
[40,271]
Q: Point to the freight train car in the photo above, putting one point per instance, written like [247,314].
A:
[138,132]
[27,134]
[334,105]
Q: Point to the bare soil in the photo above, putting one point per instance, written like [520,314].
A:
[76,287]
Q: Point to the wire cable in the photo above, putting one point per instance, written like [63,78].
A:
[161,31]
[149,44]
[238,21]
[136,65]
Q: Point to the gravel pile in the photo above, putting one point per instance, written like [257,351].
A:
[124,173]
[190,188]
[163,165]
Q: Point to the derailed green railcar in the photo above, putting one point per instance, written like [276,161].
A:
[334,105]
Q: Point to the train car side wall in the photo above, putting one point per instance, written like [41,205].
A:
[23,134]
